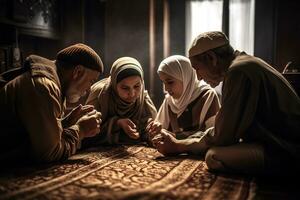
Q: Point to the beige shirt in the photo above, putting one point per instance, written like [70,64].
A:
[190,121]
[31,112]
[104,97]
[258,105]
[110,132]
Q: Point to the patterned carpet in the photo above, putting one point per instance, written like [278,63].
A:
[123,172]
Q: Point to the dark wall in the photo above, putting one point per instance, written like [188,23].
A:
[177,27]
[265,34]
[288,34]
[127,32]
[36,45]
[94,33]
[72,22]
[277,31]
[157,91]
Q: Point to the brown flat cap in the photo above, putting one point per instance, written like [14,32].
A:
[81,54]
[207,41]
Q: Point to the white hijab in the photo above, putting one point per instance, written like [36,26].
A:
[180,68]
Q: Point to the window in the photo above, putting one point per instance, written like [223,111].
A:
[241,25]
[202,16]
[207,15]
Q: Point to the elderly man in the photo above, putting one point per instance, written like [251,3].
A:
[33,125]
[257,129]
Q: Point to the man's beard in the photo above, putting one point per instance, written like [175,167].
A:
[73,98]
[73,95]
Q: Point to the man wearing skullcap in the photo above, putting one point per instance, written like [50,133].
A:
[33,124]
[257,129]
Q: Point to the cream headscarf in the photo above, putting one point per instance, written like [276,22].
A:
[180,68]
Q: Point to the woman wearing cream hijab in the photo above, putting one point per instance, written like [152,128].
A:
[189,105]
[124,103]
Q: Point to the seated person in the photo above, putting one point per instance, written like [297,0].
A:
[33,125]
[190,105]
[124,103]
[257,129]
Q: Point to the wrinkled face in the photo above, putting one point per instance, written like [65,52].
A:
[206,72]
[80,83]
[129,89]
[172,85]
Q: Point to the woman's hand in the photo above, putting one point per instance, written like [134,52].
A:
[166,143]
[129,128]
[153,128]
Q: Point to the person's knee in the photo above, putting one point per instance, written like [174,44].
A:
[244,158]
[211,159]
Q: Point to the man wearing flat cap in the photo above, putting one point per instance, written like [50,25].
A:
[33,125]
[257,129]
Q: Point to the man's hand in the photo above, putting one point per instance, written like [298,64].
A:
[77,113]
[89,124]
[129,128]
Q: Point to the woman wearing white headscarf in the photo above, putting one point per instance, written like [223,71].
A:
[189,105]
[124,103]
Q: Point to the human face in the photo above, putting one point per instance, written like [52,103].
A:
[172,85]
[129,89]
[80,83]
[206,72]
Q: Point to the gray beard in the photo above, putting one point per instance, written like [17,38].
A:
[73,98]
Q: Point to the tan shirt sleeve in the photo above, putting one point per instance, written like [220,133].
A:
[239,104]
[234,117]
[40,112]
[210,108]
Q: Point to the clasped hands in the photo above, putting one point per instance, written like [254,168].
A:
[87,119]
[163,140]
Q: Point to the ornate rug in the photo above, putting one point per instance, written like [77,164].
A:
[123,172]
